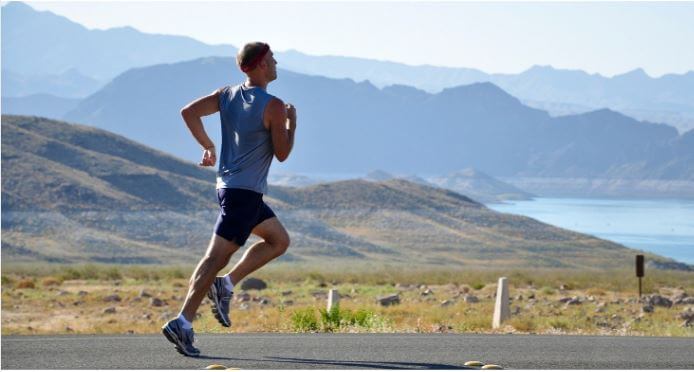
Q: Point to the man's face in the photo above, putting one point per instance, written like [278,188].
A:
[271,63]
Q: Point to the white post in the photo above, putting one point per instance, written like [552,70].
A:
[501,309]
[333,298]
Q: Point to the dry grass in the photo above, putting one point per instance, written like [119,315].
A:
[58,306]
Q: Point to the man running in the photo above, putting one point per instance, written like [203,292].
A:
[255,127]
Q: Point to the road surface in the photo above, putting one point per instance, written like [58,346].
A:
[351,351]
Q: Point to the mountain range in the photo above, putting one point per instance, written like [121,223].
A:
[30,39]
[72,193]
[398,128]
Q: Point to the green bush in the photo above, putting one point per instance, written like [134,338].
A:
[559,324]
[6,280]
[304,320]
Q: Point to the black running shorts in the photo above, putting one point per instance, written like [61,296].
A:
[240,211]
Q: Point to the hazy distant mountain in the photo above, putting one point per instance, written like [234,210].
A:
[667,99]
[480,186]
[290,179]
[31,38]
[70,84]
[103,198]
[36,44]
[347,127]
[44,105]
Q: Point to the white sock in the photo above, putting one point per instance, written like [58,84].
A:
[227,283]
[184,322]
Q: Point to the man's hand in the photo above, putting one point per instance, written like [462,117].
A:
[291,116]
[208,157]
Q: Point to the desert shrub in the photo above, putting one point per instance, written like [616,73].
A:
[330,320]
[559,324]
[110,273]
[547,291]
[51,282]
[595,292]
[474,322]
[26,283]
[478,286]
[6,280]
[523,324]
[304,320]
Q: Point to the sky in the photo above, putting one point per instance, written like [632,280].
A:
[495,37]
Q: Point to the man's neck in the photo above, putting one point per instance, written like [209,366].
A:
[251,82]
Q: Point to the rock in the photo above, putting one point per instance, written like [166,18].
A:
[319,295]
[446,303]
[565,299]
[157,302]
[69,329]
[516,311]
[287,302]
[109,310]
[136,299]
[658,300]
[264,301]
[465,289]
[63,293]
[178,285]
[78,303]
[253,283]
[286,293]
[427,292]
[130,332]
[441,328]
[243,297]
[244,306]
[531,296]
[145,294]
[82,293]
[685,301]
[147,316]
[471,299]
[688,317]
[112,298]
[389,300]
[321,285]
[647,308]
[574,301]
[591,299]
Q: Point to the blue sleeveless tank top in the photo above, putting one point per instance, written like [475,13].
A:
[247,151]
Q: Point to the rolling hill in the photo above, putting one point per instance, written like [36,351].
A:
[72,193]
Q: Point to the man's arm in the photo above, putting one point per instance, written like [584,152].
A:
[280,119]
[192,114]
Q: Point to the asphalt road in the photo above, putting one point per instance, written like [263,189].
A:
[351,351]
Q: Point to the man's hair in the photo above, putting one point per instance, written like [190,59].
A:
[249,53]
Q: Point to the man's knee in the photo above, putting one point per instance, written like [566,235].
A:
[280,243]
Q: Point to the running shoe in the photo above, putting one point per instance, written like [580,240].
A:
[220,297]
[181,338]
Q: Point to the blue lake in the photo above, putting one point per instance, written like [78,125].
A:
[664,227]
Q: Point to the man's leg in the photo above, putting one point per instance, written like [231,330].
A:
[275,242]
[217,256]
